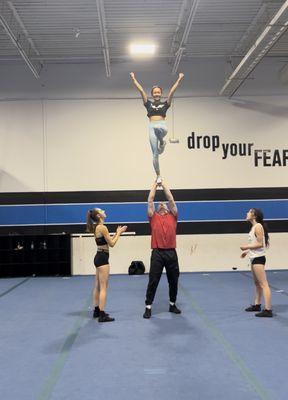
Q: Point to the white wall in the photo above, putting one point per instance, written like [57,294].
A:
[262,121]
[66,145]
[21,146]
[195,253]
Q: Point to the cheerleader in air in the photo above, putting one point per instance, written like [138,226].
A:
[156,112]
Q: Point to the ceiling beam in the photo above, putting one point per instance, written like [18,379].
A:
[19,36]
[178,29]
[103,34]
[22,52]
[250,31]
[267,39]
[23,27]
[184,38]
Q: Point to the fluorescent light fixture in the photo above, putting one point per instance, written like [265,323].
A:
[142,49]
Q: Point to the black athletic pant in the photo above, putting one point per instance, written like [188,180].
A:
[161,258]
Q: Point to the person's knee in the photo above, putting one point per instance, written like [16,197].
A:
[103,285]
[263,284]
[173,277]
[160,131]
[154,279]
[174,271]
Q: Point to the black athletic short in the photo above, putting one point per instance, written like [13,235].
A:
[101,258]
[258,260]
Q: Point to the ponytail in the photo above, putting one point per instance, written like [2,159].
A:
[92,219]
[89,222]
[260,219]
[266,234]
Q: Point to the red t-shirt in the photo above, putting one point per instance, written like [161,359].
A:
[163,231]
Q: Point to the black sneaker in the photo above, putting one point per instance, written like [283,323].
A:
[253,308]
[103,317]
[174,309]
[265,313]
[147,313]
[96,312]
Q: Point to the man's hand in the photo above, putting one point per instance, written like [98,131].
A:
[159,182]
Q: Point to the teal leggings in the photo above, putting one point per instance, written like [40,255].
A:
[157,131]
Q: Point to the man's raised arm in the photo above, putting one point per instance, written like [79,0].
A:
[170,198]
[151,197]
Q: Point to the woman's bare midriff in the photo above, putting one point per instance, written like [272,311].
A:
[105,248]
[156,118]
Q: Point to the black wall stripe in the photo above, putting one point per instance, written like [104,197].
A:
[183,228]
[141,195]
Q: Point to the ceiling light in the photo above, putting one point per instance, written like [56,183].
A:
[142,49]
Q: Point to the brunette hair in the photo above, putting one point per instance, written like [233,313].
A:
[259,217]
[156,87]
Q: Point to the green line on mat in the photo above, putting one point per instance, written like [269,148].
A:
[55,373]
[14,287]
[260,390]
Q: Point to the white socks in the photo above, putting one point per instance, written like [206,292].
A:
[171,304]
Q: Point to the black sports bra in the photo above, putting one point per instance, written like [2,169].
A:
[101,241]
[156,108]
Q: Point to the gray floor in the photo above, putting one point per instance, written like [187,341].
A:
[51,348]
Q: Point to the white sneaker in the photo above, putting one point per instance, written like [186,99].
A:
[161,147]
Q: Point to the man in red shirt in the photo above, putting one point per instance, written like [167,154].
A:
[163,224]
